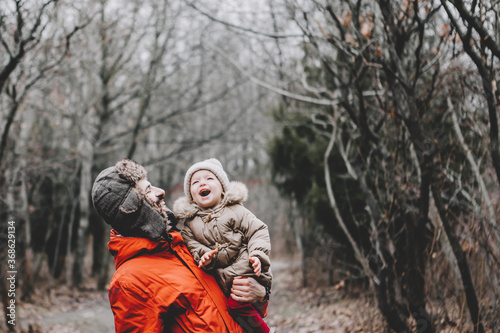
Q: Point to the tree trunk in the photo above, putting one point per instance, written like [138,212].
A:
[470,291]
[103,276]
[68,258]
[448,253]
[384,280]
[357,251]
[28,288]
[297,231]
[386,300]
[5,134]
[86,153]
[475,169]
[480,59]
[59,236]
[11,209]
[418,242]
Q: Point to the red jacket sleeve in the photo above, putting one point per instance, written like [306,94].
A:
[261,308]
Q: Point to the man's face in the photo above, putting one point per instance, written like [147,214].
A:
[206,189]
[155,194]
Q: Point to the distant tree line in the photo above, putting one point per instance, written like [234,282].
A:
[85,84]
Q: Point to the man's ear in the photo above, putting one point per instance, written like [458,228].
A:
[131,203]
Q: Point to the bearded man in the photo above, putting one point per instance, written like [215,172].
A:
[157,286]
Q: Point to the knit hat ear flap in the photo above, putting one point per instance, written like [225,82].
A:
[131,203]
[144,221]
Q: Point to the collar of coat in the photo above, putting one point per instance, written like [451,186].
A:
[237,192]
[125,248]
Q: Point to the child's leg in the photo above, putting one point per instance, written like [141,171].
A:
[247,317]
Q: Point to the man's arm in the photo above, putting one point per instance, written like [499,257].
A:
[247,289]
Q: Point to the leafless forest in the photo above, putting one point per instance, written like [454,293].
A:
[366,131]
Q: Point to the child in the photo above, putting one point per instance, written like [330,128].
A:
[223,236]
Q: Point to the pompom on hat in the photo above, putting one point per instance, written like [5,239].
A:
[213,165]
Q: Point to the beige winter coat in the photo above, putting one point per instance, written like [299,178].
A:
[233,230]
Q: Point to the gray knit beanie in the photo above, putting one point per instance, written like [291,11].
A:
[213,165]
[122,206]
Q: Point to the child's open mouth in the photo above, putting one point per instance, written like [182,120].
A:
[204,193]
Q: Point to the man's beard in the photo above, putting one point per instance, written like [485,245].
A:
[167,216]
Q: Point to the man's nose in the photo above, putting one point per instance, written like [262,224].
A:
[158,191]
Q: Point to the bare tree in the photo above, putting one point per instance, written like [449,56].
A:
[32,48]
[23,30]
[380,72]
[114,57]
[476,24]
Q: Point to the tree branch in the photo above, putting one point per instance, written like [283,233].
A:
[473,164]
[230,25]
[357,252]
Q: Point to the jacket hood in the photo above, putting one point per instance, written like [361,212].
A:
[237,192]
[125,248]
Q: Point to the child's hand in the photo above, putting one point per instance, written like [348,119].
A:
[256,265]
[207,258]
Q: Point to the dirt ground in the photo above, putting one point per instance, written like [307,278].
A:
[318,309]
[68,312]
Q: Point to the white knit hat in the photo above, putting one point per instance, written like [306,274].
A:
[213,165]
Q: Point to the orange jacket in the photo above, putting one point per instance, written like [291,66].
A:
[157,287]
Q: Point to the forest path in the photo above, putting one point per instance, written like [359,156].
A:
[292,309]
[87,312]
[320,308]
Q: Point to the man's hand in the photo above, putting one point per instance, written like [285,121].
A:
[256,265]
[207,258]
[247,290]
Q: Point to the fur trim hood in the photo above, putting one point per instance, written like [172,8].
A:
[236,193]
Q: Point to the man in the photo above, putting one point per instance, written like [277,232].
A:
[157,286]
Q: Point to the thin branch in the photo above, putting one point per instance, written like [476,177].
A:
[357,252]
[473,164]
[488,41]
[193,144]
[192,107]
[302,98]
[227,24]
[5,133]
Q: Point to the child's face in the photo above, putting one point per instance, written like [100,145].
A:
[206,189]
